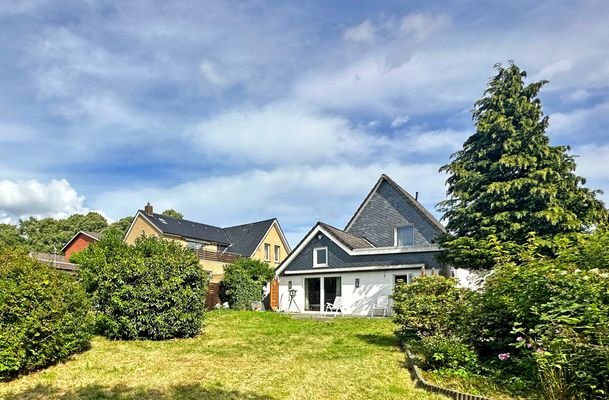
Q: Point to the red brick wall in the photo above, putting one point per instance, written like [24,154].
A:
[79,244]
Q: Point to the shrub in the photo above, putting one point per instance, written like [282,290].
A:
[429,306]
[44,314]
[447,352]
[154,289]
[552,316]
[244,281]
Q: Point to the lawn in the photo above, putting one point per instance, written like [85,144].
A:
[240,355]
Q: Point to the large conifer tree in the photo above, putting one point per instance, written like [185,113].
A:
[508,181]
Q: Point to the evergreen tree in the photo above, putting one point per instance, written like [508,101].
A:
[508,181]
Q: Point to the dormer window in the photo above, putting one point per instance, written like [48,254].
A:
[404,236]
[320,257]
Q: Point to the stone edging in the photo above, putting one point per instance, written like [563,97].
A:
[420,381]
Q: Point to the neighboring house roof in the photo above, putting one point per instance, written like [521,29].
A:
[242,239]
[413,202]
[187,229]
[350,240]
[93,235]
[246,238]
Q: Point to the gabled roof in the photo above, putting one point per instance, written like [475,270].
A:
[242,239]
[246,238]
[93,235]
[348,239]
[333,234]
[413,202]
[187,229]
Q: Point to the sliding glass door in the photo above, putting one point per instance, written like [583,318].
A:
[312,294]
[331,289]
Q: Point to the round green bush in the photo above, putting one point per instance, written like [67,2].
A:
[447,352]
[44,314]
[154,289]
[428,306]
[244,280]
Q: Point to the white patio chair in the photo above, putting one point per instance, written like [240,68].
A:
[382,304]
[337,306]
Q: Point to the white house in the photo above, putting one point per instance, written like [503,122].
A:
[390,238]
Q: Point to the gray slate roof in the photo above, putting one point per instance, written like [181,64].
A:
[242,239]
[245,238]
[95,235]
[348,239]
[188,229]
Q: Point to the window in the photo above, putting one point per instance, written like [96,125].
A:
[267,252]
[404,235]
[320,257]
[193,245]
[277,253]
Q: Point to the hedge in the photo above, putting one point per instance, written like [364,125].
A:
[44,314]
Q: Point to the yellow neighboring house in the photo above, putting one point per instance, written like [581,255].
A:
[215,246]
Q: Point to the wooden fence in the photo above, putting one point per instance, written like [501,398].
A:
[217,256]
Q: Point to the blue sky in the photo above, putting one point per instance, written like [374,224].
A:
[238,111]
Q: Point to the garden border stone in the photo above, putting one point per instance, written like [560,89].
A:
[420,381]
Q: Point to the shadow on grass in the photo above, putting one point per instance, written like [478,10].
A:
[124,392]
[379,339]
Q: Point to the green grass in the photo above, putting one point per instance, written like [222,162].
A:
[240,355]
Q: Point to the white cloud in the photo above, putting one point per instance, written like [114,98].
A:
[279,133]
[399,121]
[422,25]
[298,196]
[363,32]
[551,70]
[579,122]
[210,73]
[577,95]
[56,198]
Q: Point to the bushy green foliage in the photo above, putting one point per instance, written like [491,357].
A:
[173,214]
[244,281]
[122,225]
[154,289]
[9,236]
[441,352]
[551,315]
[508,181]
[430,305]
[44,314]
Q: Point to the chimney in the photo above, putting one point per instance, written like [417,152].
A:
[148,209]
[416,196]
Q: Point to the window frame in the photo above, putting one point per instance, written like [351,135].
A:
[395,235]
[277,253]
[267,252]
[316,264]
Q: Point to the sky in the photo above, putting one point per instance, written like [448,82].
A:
[233,112]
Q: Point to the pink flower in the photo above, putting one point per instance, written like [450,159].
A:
[539,350]
[519,339]
[504,356]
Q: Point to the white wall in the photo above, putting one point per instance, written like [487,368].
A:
[357,301]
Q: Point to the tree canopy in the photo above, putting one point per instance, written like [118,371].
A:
[508,181]
[9,236]
[173,214]
[50,235]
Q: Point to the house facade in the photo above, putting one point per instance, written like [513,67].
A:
[391,238]
[79,242]
[214,246]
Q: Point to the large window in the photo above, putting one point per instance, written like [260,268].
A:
[267,252]
[404,236]
[277,253]
[320,257]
